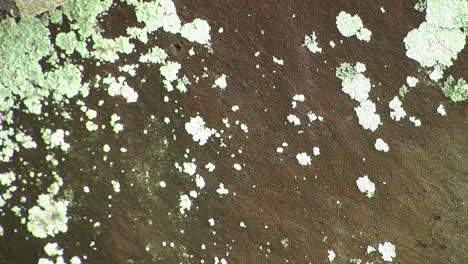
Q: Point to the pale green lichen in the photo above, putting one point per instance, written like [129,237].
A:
[130,69]
[182,84]
[352,25]
[358,86]
[108,49]
[438,41]
[55,139]
[20,68]
[197,31]
[119,87]
[311,43]
[403,90]
[138,33]
[83,15]
[69,43]
[447,13]
[48,218]
[156,15]
[170,70]
[364,34]
[432,46]
[155,55]
[421,5]
[55,16]
[65,82]
[348,25]
[457,91]
[345,71]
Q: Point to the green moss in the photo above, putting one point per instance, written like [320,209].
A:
[457,91]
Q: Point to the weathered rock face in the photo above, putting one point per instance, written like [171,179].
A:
[197,131]
[28,7]
[8,7]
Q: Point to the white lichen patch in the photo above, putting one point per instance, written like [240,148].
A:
[129,68]
[441,110]
[45,261]
[156,15]
[237,167]
[349,26]
[299,98]
[397,112]
[196,128]
[353,81]
[210,167]
[278,61]
[25,140]
[370,249]
[55,139]
[197,31]
[296,99]
[367,116]
[222,190]
[48,217]
[366,186]
[7,178]
[75,260]
[106,148]
[415,121]
[312,116]
[115,186]
[438,40]
[331,255]
[119,87]
[364,34]
[244,128]
[116,127]
[311,43]
[170,70]
[447,13]
[53,249]
[381,146]
[412,81]
[293,119]
[431,46]
[185,204]
[303,159]
[437,73]
[190,168]
[199,181]
[221,82]
[155,55]
[388,251]
[316,151]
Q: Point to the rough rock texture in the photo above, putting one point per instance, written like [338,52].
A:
[281,211]
[28,7]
